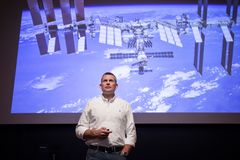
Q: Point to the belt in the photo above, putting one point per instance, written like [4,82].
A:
[106,149]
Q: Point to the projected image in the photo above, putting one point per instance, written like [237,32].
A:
[167,58]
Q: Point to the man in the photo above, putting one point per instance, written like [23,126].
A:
[107,124]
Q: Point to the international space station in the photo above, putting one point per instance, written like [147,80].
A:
[137,34]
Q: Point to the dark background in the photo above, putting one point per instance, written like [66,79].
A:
[155,142]
[58,141]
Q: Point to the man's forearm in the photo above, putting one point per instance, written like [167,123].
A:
[90,133]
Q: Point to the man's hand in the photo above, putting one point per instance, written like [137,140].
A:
[101,132]
[97,133]
[126,150]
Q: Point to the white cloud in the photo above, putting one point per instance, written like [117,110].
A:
[122,71]
[203,85]
[236,65]
[51,110]
[199,88]
[174,79]
[157,103]
[161,107]
[74,107]
[41,111]
[169,89]
[137,99]
[145,89]
[138,109]
[75,104]
[47,83]
[216,72]
[192,93]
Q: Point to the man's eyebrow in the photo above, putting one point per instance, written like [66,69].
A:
[109,79]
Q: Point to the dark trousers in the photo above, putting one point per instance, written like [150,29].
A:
[100,155]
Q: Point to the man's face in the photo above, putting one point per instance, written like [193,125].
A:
[108,84]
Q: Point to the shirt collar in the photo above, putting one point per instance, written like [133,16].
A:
[106,100]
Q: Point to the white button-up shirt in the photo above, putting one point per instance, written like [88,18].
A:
[115,115]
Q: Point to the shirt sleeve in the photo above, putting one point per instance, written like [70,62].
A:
[83,124]
[131,136]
